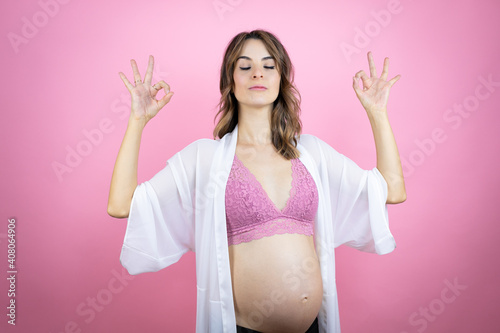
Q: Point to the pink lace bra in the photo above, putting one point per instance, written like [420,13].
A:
[251,214]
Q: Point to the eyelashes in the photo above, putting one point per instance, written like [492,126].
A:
[247,68]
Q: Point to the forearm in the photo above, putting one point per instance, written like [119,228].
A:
[388,160]
[124,178]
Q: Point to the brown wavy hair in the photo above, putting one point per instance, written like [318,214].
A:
[285,122]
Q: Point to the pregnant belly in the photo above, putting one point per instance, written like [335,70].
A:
[277,285]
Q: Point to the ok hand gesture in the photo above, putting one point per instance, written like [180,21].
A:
[144,103]
[375,92]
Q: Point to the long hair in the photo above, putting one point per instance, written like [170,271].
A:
[285,121]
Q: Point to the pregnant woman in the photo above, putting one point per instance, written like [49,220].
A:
[262,205]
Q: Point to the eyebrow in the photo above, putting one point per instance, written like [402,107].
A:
[248,58]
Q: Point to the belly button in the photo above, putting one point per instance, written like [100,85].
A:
[304,299]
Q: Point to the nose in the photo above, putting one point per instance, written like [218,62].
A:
[257,73]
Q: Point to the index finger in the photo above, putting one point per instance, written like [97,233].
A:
[373,71]
[149,72]
[137,75]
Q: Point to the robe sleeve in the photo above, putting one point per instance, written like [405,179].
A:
[159,227]
[358,200]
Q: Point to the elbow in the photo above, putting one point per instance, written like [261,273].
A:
[117,213]
[396,199]
[119,208]
[396,192]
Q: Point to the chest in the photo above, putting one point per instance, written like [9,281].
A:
[272,171]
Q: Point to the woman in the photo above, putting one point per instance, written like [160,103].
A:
[262,206]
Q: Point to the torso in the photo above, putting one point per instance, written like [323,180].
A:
[277,285]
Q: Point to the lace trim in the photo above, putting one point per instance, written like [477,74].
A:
[274,227]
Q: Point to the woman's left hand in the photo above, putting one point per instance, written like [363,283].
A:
[375,92]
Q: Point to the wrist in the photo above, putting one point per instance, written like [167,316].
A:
[377,115]
[136,124]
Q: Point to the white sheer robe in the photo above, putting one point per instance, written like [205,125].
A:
[182,209]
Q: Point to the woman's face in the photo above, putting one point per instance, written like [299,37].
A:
[256,79]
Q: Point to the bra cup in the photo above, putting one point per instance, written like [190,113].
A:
[250,214]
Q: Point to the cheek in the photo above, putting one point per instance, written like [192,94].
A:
[276,82]
[237,82]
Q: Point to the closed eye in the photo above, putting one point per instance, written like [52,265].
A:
[247,68]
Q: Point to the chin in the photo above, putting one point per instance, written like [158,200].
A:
[256,103]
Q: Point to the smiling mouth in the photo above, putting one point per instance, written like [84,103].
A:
[258,88]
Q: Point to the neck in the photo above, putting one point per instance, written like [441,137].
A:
[254,125]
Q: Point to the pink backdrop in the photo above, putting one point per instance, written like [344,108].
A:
[65,112]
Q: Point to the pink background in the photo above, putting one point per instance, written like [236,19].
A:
[63,82]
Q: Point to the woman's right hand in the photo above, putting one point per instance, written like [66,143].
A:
[144,103]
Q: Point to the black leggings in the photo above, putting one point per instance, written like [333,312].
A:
[313,329]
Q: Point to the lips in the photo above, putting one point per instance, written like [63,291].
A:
[258,88]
